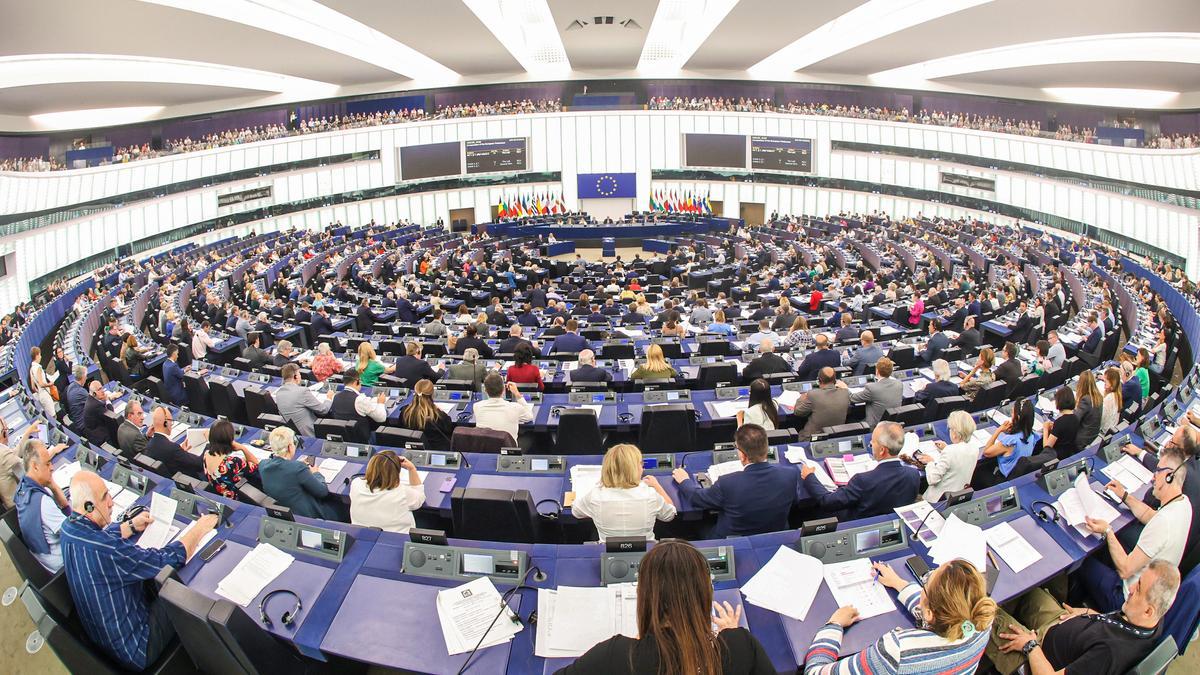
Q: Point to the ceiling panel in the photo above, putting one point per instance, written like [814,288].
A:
[603,46]
[1166,76]
[755,29]
[90,95]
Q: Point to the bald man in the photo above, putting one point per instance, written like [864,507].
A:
[174,457]
[95,423]
[104,568]
[767,362]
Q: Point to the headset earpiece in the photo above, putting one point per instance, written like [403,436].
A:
[88,507]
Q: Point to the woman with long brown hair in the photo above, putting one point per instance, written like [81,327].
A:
[422,414]
[675,624]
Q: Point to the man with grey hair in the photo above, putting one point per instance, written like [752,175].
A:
[470,368]
[77,395]
[131,439]
[940,387]
[41,504]
[587,371]
[496,413]
[515,337]
[766,363]
[284,353]
[1078,640]
[865,356]
[889,485]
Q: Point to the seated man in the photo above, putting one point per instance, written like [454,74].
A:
[754,500]
[95,422]
[969,338]
[865,356]
[826,406]
[889,485]
[174,456]
[940,387]
[767,362]
[496,413]
[130,437]
[105,568]
[1075,640]
[257,356]
[847,331]
[884,393]
[587,370]
[285,353]
[937,343]
[1164,536]
[41,504]
[515,337]
[820,358]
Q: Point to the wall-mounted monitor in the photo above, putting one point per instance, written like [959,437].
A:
[781,153]
[429,161]
[719,150]
[496,154]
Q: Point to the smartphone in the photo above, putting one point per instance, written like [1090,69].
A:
[917,565]
[214,547]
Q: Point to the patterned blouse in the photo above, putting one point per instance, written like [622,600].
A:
[230,472]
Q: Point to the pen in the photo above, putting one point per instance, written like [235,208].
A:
[993,559]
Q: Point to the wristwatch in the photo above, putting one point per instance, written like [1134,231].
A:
[1030,646]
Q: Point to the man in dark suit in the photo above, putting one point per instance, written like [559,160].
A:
[471,339]
[587,370]
[304,314]
[405,311]
[974,307]
[174,457]
[1011,370]
[822,357]
[321,325]
[257,356]
[95,423]
[411,368]
[889,485]
[364,318]
[940,387]
[284,354]
[173,376]
[754,500]
[767,362]
[825,406]
[937,343]
[555,329]
[1089,351]
[570,341]
[537,296]
[515,337]
[969,338]
[1024,326]
[130,437]
[848,331]
[954,318]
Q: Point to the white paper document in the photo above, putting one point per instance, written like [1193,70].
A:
[63,474]
[466,612]
[726,409]
[561,635]
[253,572]
[853,583]
[1128,472]
[584,477]
[921,514]
[960,540]
[1012,548]
[197,438]
[330,467]
[788,399]
[716,471]
[446,406]
[160,532]
[842,470]
[178,431]
[796,455]
[787,584]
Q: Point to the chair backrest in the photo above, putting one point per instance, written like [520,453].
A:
[258,401]
[198,393]
[494,515]
[1028,386]
[73,649]
[942,407]
[188,611]
[1156,661]
[713,373]
[906,415]
[398,436]
[843,430]
[903,357]
[668,428]
[617,351]
[27,566]
[713,348]
[475,439]
[578,433]
[990,396]
[225,401]
[355,431]
[1183,618]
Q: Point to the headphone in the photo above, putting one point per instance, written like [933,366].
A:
[1041,513]
[1170,478]
[288,617]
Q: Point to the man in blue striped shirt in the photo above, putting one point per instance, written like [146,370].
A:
[106,569]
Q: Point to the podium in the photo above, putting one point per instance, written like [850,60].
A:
[608,247]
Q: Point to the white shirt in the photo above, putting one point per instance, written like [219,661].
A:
[369,406]
[201,342]
[389,510]
[623,512]
[756,414]
[951,470]
[1161,536]
[502,415]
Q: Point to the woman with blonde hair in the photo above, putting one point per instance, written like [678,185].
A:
[421,414]
[325,364]
[369,366]
[40,384]
[383,497]
[799,336]
[624,503]
[953,611]
[655,366]
[132,357]
[1110,412]
[643,307]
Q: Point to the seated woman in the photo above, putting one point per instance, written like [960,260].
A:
[387,496]
[761,409]
[1062,432]
[1089,408]
[132,356]
[422,414]
[953,608]
[719,326]
[981,375]
[655,367]
[369,366]
[955,463]
[523,371]
[672,328]
[222,466]
[1110,412]
[798,336]
[1011,441]
[624,503]
[675,617]
[325,364]
[1158,352]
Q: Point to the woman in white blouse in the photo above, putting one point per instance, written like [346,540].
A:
[623,503]
[40,383]
[381,499]
[1110,413]
[955,463]
[761,409]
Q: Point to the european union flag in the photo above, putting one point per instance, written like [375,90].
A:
[603,185]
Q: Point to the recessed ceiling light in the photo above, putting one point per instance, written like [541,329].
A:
[1113,97]
[866,23]
[527,30]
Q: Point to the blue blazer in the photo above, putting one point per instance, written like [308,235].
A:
[1091,343]
[938,342]
[291,483]
[874,493]
[936,390]
[751,502]
[569,342]
[817,360]
[173,381]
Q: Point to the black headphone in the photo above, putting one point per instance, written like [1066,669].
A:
[88,507]
[1041,513]
[1171,476]
[289,617]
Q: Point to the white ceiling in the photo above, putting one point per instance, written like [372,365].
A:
[452,35]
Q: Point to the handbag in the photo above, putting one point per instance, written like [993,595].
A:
[53,389]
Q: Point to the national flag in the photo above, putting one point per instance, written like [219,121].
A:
[708,205]
[559,205]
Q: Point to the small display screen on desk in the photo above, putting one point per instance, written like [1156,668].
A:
[649,462]
[868,540]
[539,464]
[473,563]
[436,459]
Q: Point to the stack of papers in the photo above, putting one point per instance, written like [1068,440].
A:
[716,471]
[787,584]
[853,583]
[842,469]
[796,455]
[1011,546]
[584,477]
[788,399]
[1128,472]
[998,416]
[446,406]
[922,514]
[465,613]
[981,437]
[728,408]
[329,468]
[197,439]
[178,431]
[63,474]
[610,610]
[1080,501]
[160,532]
[960,540]
[253,572]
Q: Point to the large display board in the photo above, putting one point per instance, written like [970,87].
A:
[496,154]
[428,161]
[781,153]
[719,150]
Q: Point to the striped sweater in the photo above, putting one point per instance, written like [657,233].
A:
[903,651]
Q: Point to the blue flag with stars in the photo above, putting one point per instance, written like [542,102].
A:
[606,185]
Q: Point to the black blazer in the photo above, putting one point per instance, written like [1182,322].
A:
[174,458]
[766,363]
[95,425]
[410,369]
[743,654]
